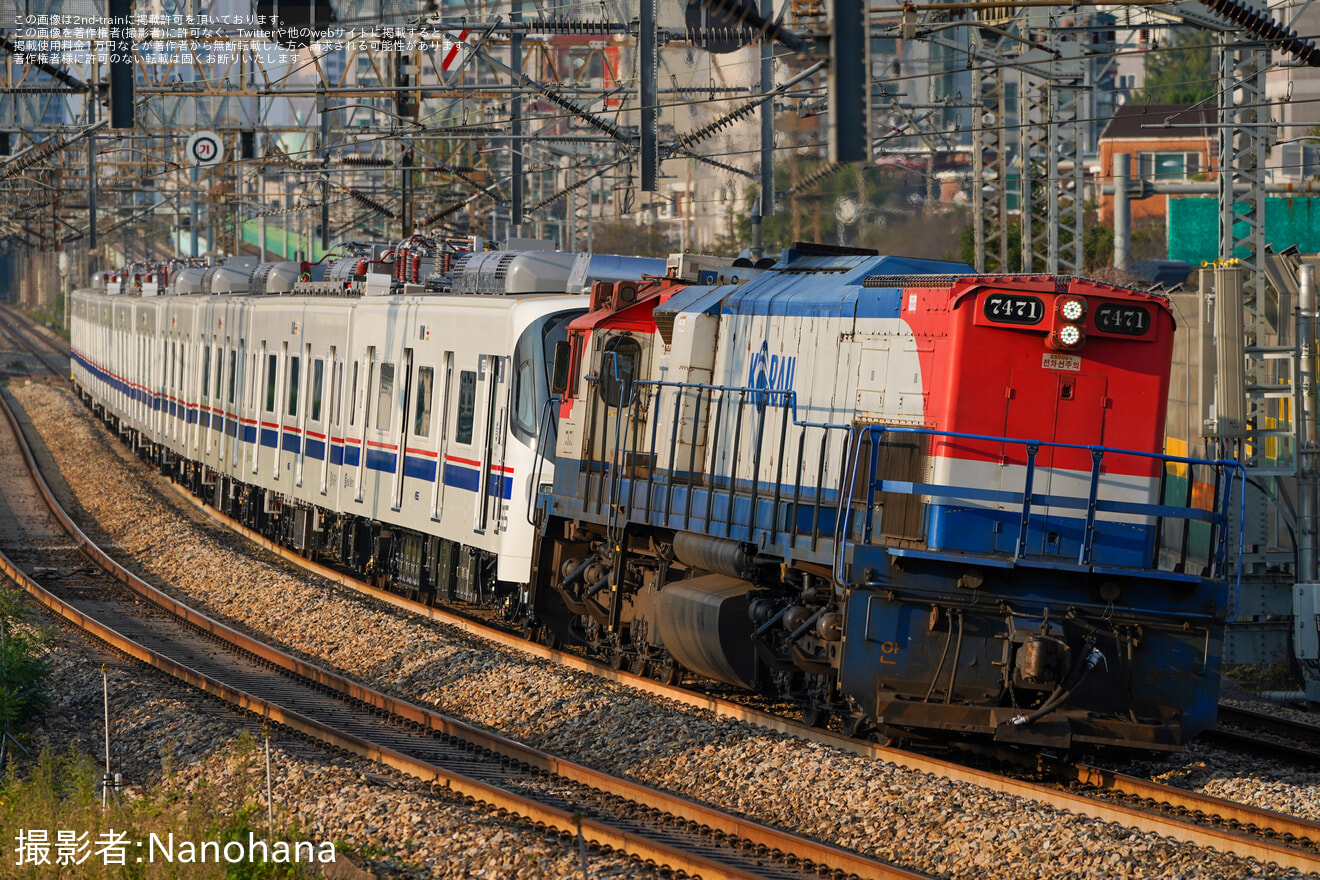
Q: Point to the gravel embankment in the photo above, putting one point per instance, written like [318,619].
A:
[188,744]
[923,822]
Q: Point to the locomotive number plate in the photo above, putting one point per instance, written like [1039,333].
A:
[1013,308]
[1128,320]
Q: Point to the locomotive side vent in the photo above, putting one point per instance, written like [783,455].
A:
[664,324]
[874,281]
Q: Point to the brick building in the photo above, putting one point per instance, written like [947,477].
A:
[1183,151]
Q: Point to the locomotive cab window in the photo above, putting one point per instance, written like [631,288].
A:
[618,364]
[425,387]
[385,400]
[559,378]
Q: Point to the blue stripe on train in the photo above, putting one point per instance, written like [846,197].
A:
[468,478]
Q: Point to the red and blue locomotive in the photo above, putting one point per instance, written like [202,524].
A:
[923,501]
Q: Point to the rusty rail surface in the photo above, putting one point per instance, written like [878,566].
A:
[762,838]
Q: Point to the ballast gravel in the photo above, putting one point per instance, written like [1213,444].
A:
[919,821]
[165,734]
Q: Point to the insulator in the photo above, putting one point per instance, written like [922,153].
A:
[1262,25]
[367,201]
[368,161]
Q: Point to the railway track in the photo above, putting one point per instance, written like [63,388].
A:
[21,330]
[614,814]
[1102,794]
[1128,800]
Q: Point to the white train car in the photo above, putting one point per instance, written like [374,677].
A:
[393,435]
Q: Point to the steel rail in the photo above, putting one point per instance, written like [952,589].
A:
[760,836]
[1223,839]
[20,334]
[1300,730]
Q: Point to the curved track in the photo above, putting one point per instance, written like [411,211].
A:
[614,814]
[21,329]
[1130,801]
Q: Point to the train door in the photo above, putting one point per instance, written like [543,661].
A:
[369,374]
[218,401]
[232,408]
[204,407]
[286,413]
[311,409]
[396,493]
[266,385]
[442,437]
[492,483]
[333,428]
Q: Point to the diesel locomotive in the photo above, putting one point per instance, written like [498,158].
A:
[926,503]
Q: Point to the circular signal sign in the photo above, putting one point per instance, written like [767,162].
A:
[205,148]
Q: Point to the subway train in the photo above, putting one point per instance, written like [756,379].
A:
[924,504]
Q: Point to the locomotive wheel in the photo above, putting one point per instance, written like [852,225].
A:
[667,672]
[852,724]
[815,716]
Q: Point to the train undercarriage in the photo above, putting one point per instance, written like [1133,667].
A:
[668,604]
[663,603]
[425,568]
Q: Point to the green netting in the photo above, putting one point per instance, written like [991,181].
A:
[1194,226]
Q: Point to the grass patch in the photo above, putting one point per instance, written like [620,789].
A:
[60,796]
[1265,676]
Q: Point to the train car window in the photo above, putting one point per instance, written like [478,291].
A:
[617,365]
[233,380]
[385,397]
[425,387]
[467,406]
[206,371]
[352,407]
[219,369]
[272,361]
[295,364]
[251,395]
[336,404]
[318,379]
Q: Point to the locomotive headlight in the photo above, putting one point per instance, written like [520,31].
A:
[1072,309]
[1068,336]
